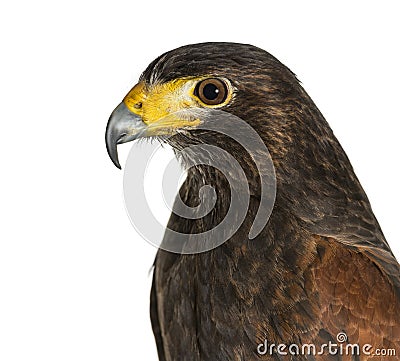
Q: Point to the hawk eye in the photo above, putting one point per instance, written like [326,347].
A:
[211,91]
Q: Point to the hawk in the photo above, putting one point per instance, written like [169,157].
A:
[320,268]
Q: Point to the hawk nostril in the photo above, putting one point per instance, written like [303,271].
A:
[138,105]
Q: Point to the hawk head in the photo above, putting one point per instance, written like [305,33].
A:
[182,88]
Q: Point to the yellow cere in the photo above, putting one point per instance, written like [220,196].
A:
[168,104]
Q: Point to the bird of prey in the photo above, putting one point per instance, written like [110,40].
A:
[319,268]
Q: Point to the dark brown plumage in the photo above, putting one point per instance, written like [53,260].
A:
[320,266]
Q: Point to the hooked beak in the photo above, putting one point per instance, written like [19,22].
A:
[123,126]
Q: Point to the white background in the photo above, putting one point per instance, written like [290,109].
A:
[74,275]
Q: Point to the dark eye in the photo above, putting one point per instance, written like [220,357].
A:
[211,91]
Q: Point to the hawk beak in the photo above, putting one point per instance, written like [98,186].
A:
[122,127]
